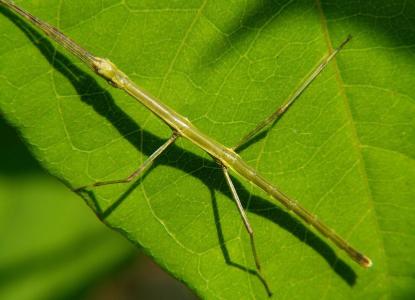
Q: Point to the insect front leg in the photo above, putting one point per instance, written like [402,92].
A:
[297,93]
[147,163]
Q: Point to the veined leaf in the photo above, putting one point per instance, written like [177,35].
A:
[345,150]
[52,246]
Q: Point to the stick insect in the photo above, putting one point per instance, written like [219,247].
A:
[226,158]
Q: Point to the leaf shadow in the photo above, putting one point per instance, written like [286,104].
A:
[241,29]
[15,160]
[399,32]
[101,101]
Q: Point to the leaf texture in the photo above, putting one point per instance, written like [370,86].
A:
[345,150]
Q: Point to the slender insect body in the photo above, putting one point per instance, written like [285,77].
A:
[181,126]
[229,157]
[110,72]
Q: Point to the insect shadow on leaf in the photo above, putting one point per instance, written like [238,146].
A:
[101,101]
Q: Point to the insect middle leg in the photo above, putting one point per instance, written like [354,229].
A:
[147,163]
[283,108]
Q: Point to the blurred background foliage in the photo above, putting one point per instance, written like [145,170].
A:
[53,246]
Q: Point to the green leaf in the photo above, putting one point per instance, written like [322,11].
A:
[52,247]
[45,253]
[345,150]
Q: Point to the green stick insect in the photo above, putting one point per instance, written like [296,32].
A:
[227,158]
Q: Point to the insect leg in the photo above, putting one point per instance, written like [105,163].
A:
[283,108]
[147,163]
[243,215]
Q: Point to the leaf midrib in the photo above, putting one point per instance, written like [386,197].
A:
[357,144]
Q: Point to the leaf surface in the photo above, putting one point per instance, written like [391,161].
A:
[345,150]
[52,246]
